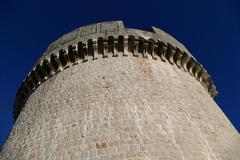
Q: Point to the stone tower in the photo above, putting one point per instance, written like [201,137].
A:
[104,91]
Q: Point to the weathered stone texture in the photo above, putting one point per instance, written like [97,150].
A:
[122,108]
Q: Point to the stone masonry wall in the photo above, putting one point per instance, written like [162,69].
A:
[122,108]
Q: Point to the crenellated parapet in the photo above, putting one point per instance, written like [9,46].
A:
[109,39]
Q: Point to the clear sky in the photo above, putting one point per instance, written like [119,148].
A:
[210,29]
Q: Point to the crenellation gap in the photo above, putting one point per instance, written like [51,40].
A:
[120,44]
[72,54]
[54,62]
[100,45]
[170,53]
[151,48]
[132,46]
[90,48]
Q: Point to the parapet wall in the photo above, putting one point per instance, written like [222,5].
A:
[106,39]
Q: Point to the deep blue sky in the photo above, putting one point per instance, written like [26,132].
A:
[210,29]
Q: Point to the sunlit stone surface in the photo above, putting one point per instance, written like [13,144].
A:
[104,91]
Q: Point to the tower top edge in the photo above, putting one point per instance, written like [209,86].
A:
[111,28]
[111,37]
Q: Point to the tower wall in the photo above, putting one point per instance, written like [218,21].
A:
[125,104]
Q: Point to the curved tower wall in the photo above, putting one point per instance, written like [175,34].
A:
[107,92]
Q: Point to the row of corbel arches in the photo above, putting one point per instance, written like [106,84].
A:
[94,49]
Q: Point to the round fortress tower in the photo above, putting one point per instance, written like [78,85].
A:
[104,91]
